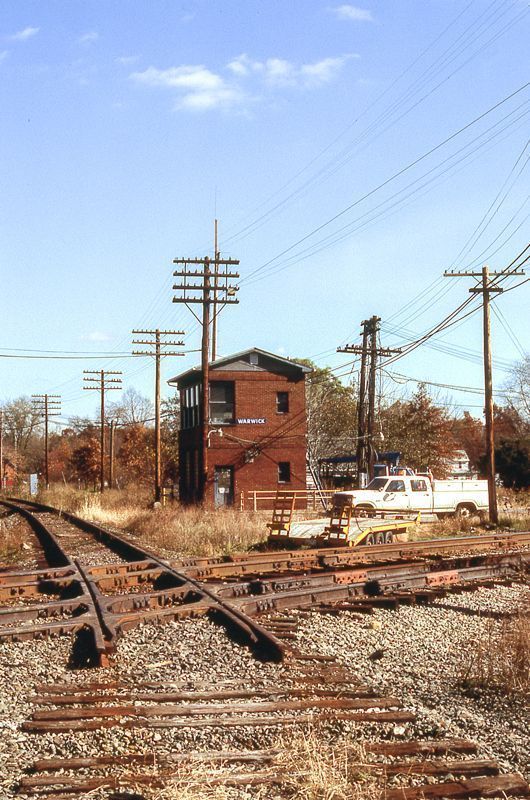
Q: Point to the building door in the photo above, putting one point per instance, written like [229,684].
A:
[223,481]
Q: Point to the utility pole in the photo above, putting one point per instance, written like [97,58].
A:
[112,431]
[1,449]
[486,288]
[215,288]
[46,406]
[156,344]
[199,291]
[99,381]
[369,352]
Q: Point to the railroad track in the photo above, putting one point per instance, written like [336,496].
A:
[106,599]
[97,597]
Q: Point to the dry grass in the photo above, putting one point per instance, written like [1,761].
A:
[307,768]
[198,531]
[13,540]
[177,529]
[501,658]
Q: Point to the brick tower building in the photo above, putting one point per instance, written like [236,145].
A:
[257,434]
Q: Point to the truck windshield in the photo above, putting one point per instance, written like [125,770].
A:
[377,484]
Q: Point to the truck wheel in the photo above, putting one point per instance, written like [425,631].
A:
[379,538]
[389,538]
[370,540]
[362,511]
[464,510]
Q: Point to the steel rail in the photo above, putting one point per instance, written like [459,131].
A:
[88,615]
[197,599]
[241,565]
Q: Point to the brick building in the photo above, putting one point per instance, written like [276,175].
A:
[258,428]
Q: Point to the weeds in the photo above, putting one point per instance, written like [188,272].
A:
[13,540]
[501,658]
[307,768]
[192,530]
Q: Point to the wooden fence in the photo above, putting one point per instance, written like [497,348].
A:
[263,499]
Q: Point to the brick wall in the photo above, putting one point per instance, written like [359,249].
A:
[254,450]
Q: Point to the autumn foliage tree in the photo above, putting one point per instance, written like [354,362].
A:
[85,461]
[136,454]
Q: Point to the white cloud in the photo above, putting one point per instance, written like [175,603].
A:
[88,38]
[3,55]
[196,77]
[24,34]
[280,72]
[354,13]
[125,60]
[97,336]
[202,89]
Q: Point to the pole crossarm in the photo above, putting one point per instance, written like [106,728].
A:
[449,273]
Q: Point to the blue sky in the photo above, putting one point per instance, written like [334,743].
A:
[126,127]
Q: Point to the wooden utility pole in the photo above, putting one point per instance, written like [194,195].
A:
[99,382]
[157,345]
[1,449]
[485,288]
[199,291]
[215,287]
[369,352]
[46,406]
[112,431]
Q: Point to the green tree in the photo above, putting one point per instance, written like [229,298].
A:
[331,413]
[421,431]
[512,462]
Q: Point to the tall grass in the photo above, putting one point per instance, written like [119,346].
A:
[13,540]
[501,658]
[186,530]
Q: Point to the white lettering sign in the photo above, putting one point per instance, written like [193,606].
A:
[251,421]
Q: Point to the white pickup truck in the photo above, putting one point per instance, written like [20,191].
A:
[418,493]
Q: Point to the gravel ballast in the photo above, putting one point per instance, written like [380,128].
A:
[423,651]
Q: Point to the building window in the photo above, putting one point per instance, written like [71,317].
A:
[284,472]
[222,402]
[282,402]
[190,406]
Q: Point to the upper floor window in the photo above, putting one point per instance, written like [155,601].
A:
[282,402]
[189,406]
[221,402]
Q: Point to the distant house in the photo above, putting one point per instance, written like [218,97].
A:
[257,427]
[9,474]
[459,466]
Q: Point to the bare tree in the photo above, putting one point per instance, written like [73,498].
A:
[20,421]
[518,387]
[132,408]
